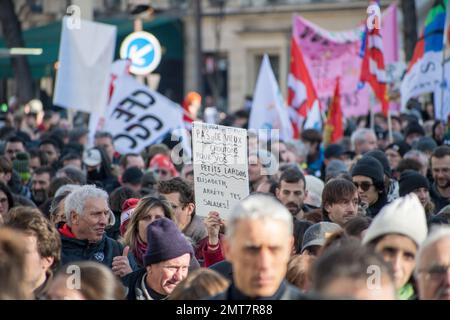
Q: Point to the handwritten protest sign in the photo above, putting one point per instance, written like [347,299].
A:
[220,167]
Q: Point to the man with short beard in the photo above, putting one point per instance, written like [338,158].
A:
[292,191]
[440,168]
[340,201]
[40,184]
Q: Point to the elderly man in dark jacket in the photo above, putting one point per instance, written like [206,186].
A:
[258,244]
[166,262]
[83,236]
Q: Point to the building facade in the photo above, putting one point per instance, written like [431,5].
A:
[238,34]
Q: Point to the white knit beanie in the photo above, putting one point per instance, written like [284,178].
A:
[404,216]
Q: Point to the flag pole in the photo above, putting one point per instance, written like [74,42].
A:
[391,136]
[445,53]
[372,117]
[443,84]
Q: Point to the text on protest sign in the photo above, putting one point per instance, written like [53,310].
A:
[220,167]
[139,116]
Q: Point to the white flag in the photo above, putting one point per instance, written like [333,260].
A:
[85,57]
[119,69]
[268,108]
[443,111]
[314,118]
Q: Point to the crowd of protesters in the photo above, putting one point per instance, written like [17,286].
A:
[363,218]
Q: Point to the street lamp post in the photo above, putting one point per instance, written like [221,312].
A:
[198,47]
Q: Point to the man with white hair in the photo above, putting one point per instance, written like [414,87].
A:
[363,140]
[433,266]
[258,244]
[83,235]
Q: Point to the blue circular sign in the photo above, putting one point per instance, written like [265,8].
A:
[143,50]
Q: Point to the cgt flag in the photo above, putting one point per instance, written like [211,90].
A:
[302,95]
[138,116]
[334,127]
[373,70]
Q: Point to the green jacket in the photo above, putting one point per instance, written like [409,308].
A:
[406,292]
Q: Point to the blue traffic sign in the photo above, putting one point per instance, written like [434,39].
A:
[143,50]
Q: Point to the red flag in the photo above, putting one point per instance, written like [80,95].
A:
[334,128]
[373,70]
[301,91]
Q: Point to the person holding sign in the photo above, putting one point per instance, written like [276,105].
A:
[210,249]
[181,196]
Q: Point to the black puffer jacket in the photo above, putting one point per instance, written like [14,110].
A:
[81,250]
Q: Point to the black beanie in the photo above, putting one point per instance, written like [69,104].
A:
[414,127]
[165,242]
[380,156]
[132,175]
[370,167]
[401,147]
[411,180]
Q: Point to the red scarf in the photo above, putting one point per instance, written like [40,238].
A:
[66,231]
[139,251]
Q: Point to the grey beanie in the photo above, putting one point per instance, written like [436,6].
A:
[335,167]
[317,234]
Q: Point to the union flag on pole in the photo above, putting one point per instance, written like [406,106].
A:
[301,92]
[334,127]
[373,70]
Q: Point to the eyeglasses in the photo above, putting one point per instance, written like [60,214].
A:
[436,272]
[365,186]
[3,200]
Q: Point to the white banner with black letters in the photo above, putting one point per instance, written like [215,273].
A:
[138,116]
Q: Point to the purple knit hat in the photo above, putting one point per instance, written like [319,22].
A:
[165,242]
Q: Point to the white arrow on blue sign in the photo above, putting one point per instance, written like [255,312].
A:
[144,51]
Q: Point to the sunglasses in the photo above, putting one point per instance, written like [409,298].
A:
[364,186]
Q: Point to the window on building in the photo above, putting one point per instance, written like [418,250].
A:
[36,6]
[216,79]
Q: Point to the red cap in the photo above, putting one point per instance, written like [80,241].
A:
[163,162]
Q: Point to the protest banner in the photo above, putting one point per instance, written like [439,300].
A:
[220,167]
[329,55]
[85,57]
[138,116]
[425,73]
